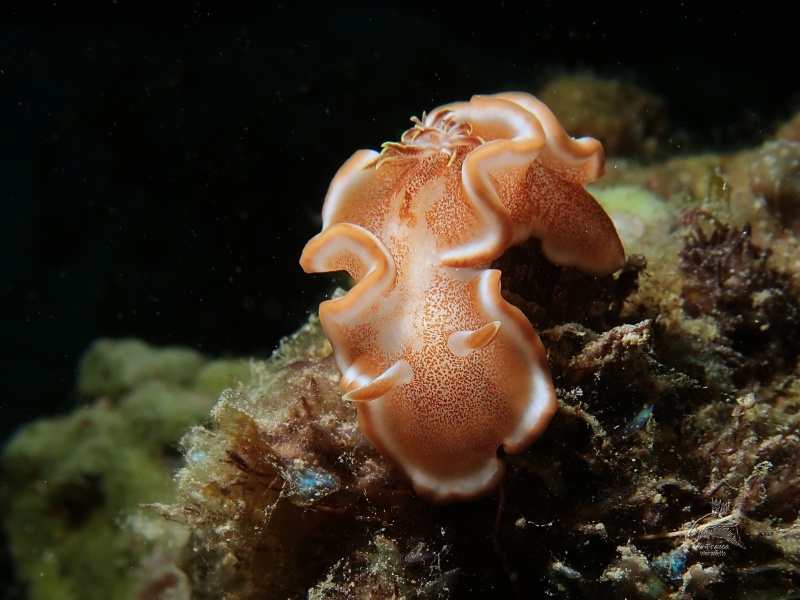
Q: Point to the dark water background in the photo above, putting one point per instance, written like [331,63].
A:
[161,168]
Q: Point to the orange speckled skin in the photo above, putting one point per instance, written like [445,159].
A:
[417,226]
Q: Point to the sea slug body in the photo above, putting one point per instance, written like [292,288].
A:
[444,370]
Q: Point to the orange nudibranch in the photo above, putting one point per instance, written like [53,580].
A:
[443,370]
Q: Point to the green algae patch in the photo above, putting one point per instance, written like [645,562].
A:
[73,483]
[643,220]
[110,367]
[217,375]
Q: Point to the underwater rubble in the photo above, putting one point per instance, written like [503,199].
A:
[671,469]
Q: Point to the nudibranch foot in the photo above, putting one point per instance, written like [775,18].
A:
[479,482]
[443,370]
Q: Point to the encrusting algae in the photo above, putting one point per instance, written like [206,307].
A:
[671,468]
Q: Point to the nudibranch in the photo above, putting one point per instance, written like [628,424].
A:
[443,370]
